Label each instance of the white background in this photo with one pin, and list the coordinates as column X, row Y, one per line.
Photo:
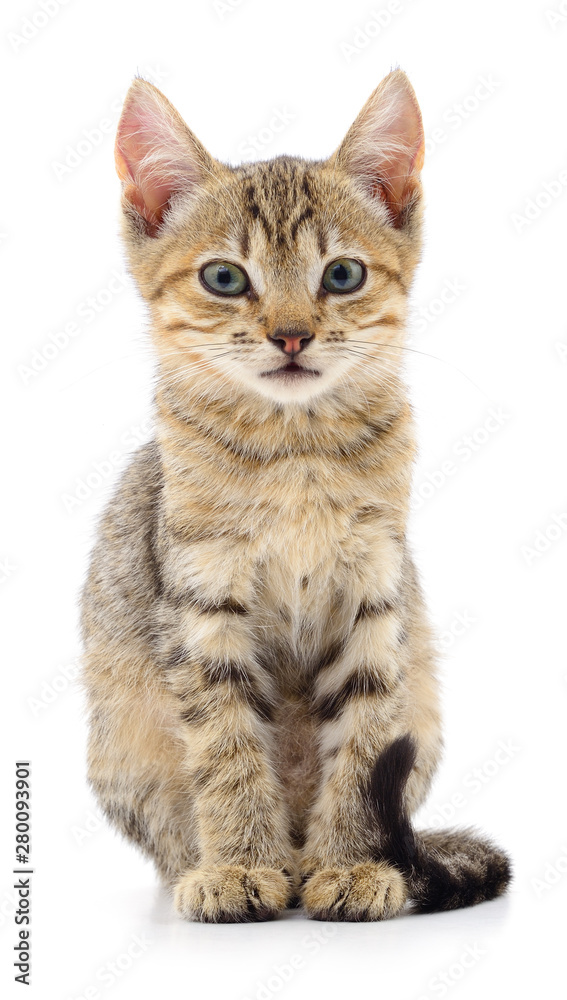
column 483, row 529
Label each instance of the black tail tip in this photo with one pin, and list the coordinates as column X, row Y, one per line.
column 458, row 868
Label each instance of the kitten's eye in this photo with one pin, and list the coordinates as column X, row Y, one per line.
column 224, row 278
column 343, row 275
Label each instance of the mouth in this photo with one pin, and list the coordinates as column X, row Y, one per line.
column 291, row 371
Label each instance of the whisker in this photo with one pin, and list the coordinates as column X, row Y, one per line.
column 394, row 347
column 413, row 350
column 180, row 371
column 387, row 388
column 190, row 347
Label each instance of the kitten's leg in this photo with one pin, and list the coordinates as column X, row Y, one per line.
column 364, row 701
column 225, row 707
column 197, row 797
column 135, row 763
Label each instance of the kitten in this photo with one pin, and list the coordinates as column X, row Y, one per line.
column 260, row 673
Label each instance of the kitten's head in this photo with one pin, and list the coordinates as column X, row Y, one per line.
column 288, row 277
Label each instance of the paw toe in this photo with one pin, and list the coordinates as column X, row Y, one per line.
column 231, row 893
column 368, row 891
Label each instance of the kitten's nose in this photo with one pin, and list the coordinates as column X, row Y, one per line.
column 290, row 341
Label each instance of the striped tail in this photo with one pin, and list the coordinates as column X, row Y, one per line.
column 445, row 869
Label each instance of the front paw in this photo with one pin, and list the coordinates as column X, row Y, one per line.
column 368, row 891
column 231, row 893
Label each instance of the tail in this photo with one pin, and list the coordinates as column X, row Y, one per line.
column 445, row 869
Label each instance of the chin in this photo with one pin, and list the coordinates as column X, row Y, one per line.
column 287, row 388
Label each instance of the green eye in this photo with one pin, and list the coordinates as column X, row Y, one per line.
column 343, row 275
column 224, row 278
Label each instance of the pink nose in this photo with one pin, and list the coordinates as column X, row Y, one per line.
column 290, row 343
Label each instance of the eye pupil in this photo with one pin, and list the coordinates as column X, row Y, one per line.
column 340, row 273
column 223, row 275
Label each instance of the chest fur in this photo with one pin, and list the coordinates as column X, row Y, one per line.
column 301, row 571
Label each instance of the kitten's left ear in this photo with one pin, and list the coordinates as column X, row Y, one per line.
column 384, row 147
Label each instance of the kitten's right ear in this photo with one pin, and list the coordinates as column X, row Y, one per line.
column 156, row 155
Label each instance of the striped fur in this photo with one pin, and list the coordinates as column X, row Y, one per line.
column 254, row 628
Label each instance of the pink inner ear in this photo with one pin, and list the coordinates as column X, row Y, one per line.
column 151, row 156
column 400, row 167
column 400, row 149
column 385, row 145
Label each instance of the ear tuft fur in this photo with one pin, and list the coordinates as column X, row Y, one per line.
column 384, row 147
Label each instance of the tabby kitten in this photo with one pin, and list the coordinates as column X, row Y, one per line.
column 260, row 673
